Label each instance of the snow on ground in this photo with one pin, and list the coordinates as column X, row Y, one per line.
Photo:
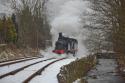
column 50, row 74
column 12, row 67
column 77, row 81
column 22, row 75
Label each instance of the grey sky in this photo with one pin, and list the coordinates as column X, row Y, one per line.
column 4, row 7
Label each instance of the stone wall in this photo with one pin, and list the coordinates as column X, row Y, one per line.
column 75, row 70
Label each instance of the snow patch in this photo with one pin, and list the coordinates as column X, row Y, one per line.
column 77, row 81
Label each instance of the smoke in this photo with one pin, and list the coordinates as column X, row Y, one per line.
column 66, row 16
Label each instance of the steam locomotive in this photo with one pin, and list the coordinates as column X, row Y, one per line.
column 66, row 45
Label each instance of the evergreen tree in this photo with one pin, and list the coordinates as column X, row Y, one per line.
column 11, row 31
column 8, row 32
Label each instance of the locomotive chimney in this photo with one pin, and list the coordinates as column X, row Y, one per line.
column 60, row 35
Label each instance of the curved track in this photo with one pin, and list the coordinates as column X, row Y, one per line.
column 27, row 72
column 41, row 70
column 20, row 69
column 16, row 61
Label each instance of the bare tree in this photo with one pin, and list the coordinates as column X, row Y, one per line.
column 110, row 15
column 33, row 26
column 99, row 27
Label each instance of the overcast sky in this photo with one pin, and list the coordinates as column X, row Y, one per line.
column 4, row 7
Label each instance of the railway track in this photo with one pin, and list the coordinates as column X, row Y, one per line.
column 16, row 61
column 40, row 71
column 35, row 69
column 22, row 68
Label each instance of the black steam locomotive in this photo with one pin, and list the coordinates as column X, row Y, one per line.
column 66, row 45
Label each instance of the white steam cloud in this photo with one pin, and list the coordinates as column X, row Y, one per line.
column 66, row 16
